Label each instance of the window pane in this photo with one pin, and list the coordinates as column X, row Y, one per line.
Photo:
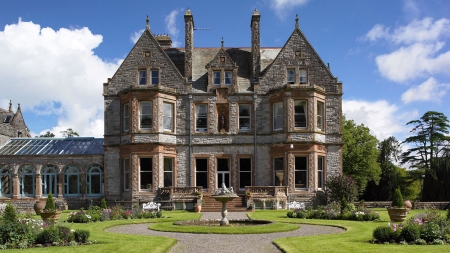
column 223, row 164
column 72, row 184
column 303, row 76
column 201, row 118
column 300, row 113
column 278, row 116
column 291, row 76
column 301, row 169
column 278, row 171
column 228, row 77
column 5, row 184
column 320, row 115
column 216, row 77
column 126, row 172
column 155, row 77
column 126, row 117
column 244, row 117
column 146, row 173
column 142, row 77
column 245, row 172
column 320, row 172
column 168, row 172
column 146, row 111
column 167, row 116
column 201, row 174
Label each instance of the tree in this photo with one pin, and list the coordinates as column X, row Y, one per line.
column 342, row 189
column 69, row 133
column 359, row 153
column 430, row 152
column 47, row 134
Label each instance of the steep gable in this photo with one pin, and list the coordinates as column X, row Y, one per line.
column 146, row 54
column 298, row 53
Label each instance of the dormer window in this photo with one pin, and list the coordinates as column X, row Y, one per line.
column 228, row 78
column 291, row 76
column 303, row 76
column 216, row 77
column 142, row 77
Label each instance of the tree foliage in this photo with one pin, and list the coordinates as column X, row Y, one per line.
column 69, row 133
column 359, row 153
column 47, row 134
column 430, row 146
column 342, row 189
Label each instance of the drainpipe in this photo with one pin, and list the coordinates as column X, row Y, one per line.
column 254, row 134
column 190, row 140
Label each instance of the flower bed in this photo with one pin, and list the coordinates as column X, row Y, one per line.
column 429, row 227
column 334, row 211
column 95, row 213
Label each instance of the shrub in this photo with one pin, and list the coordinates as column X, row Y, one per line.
column 437, row 242
column 9, row 214
column 50, row 234
column 301, row 214
column 420, row 242
column 15, row 232
column 159, row 214
column 148, row 215
column 105, row 215
column 65, row 234
column 126, row 215
column 50, row 203
column 103, row 204
column 430, row 232
column 397, row 199
column 116, row 212
column 78, row 217
column 342, row 189
column 291, row 214
column 383, row 234
column 81, row 235
column 95, row 212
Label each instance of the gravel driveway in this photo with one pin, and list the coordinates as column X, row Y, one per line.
column 219, row 243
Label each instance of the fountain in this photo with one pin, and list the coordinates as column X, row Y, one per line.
column 224, row 195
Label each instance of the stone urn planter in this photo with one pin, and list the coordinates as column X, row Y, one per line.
column 39, row 205
column 397, row 214
column 198, row 208
column 53, row 215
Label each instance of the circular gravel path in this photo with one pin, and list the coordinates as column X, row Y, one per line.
column 220, row 243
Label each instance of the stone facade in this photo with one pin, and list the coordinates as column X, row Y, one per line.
column 194, row 117
column 12, row 125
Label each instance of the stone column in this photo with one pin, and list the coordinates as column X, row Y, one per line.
column 188, row 44
column 38, row 185
column 15, row 188
column 60, row 185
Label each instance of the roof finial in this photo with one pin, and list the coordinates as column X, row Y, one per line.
column 10, row 106
column 18, row 107
column 147, row 26
column 296, row 21
column 222, row 42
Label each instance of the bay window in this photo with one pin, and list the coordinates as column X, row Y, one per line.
column 145, row 115
column 168, row 116
column 300, row 112
column 126, row 117
column 301, row 172
column 320, row 115
column 277, row 116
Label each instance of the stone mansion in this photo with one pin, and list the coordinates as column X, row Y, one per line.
column 184, row 120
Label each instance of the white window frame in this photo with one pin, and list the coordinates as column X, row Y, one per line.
column 303, row 74
column 299, row 114
column 290, row 76
column 202, row 117
column 216, row 74
column 168, row 116
column 277, row 112
column 241, row 127
column 302, row 170
column 155, row 79
column 320, row 111
column 228, row 78
column 320, row 172
column 142, row 77
column 143, row 104
column 126, row 174
column 126, row 117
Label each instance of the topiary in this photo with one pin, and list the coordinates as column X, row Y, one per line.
column 103, row 203
column 50, row 203
column 397, row 199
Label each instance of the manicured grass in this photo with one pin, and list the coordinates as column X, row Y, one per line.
column 355, row 239
column 115, row 242
column 261, row 229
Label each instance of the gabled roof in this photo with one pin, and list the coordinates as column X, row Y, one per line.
column 53, row 146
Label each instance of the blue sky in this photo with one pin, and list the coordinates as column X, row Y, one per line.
column 393, row 57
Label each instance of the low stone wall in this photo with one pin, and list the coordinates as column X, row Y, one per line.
column 416, row 204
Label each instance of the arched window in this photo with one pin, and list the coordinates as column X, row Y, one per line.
column 27, row 181
column 5, row 181
column 94, row 181
column 49, row 175
column 71, row 181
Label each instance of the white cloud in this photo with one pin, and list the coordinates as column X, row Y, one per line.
column 417, row 60
column 418, row 49
column 136, row 35
column 282, row 6
column 411, row 9
column 380, row 117
column 171, row 26
column 55, row 73
column 430, row 90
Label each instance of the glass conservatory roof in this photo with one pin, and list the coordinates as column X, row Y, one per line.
column 53, row 146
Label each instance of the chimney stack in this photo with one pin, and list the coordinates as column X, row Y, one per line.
column 256, row 54
column 188, row 44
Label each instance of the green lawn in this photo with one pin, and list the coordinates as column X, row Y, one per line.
column 354, row 239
